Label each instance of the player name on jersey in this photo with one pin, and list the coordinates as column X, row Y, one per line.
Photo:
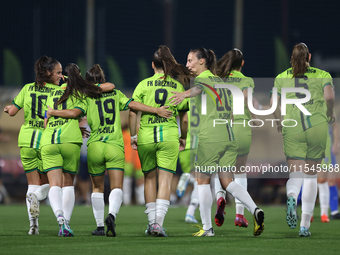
column 106, row 130
column 157, row 119
column 57, row 122
column 34, row 123
column 162, row 83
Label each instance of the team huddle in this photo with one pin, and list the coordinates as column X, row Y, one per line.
column 175, row 124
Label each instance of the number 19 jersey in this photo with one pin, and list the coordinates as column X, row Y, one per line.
column 155, row 91
column 103, row 117
column 314, row 80
column 33, row 99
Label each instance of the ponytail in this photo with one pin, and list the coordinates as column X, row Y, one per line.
column 209, row 56
column 300, row 59
column 232, row 60
column 41, row 68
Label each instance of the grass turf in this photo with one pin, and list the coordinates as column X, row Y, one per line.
column 131, row 222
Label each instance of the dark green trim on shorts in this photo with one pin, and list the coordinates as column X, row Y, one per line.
column 148, row 171
column 114, row 168
column 40, row 172
column 53, row 168
column 69, row 172
column 242, row 155
column 101, row 174
column 168, row 170
column 287, row 157
column 183, row 110
column 315, row 159
column 31, row 170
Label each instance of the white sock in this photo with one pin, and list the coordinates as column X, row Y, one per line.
column 115, row 201
column 192, row 180
column 242, row 194
column 219, row 191
column 56, row 199
column 205, row 201
column 127, row 190
column 193, row 201
column 30, row 189
column 294, row 183
column 309, row 192
column 98, row 205
column 162, row 207
column 42, row 191
column 139, row 194
column 151, row 212
column 324, row 197
column 240, row 179
column 68, row 201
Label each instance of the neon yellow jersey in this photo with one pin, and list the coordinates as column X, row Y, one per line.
column 59, row 130
column 33, row 99
column 314, row 80
column 103, row 117
column 155, row 91
column 214, row 110
column 237, row 79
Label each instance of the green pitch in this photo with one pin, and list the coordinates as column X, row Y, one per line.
column 131, row 222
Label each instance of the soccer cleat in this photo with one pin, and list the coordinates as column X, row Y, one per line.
column 241, row 221
column 324, row 218
column 190, row 219
column 219, row 215
column 182, row 184
column 291, row 212
column 258, row 218
column 203, row 232
column 148, row 230
column 34, row 230
column 304, row 232
column 157, row 230
column 110, row 223
column 98, row 232
column 64, row 228
column 34, row 205
column 335, row 216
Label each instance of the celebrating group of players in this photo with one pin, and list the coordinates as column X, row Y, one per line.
column 50, row 138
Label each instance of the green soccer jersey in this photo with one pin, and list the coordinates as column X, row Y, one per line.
column 214, row 126
column 33, row 99
column 59, row 130
column 155, row 91
column 314, row 80
column 237, row 79
column 193, row 123
column 103, row 117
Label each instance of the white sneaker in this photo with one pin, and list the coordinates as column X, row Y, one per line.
column 182, row 184
column 190, row 219
column 34, row 230
column 34, row 205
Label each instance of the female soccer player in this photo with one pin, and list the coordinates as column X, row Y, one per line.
column 217, row 146
column 229, row 67
column 32, row 98
column 105, row 146
column 158, row 142
column 304, row 136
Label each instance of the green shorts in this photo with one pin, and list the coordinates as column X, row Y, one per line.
column 163, row 155
column 327, row 159
column 103, row 156
column 243, row 137
column 65, row 156
column 184, row 160
column 31, row 159
column 217, row 156
column 307, row 145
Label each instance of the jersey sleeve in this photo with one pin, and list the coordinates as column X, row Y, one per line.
column 81, row 105
column 123, row 101
column 19, row 100
column 327, row 80
column 248, row 83
column 138, row 94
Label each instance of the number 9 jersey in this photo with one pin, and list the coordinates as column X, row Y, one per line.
column 33, row 99
column 155, row 91
column 314, row 80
